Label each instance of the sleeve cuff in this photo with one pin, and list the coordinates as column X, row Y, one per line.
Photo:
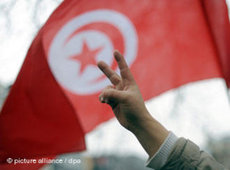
column 160, row 157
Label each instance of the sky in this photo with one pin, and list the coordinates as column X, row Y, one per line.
column 203, row 107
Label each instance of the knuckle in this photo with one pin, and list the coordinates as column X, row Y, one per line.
column 114, row 79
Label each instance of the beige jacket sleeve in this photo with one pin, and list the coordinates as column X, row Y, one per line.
column 187, row 156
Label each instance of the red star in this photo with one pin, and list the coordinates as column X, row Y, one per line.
column 86, row 57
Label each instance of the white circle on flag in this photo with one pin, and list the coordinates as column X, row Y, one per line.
column 69, row 52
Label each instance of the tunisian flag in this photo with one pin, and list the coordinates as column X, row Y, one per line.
column 54, row 101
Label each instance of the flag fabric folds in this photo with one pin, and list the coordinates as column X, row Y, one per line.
column 216, row 14
column 54, row 100
column 36, row 118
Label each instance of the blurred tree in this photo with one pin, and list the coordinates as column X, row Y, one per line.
column 37, row 8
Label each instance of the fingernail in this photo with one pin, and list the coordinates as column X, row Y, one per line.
column 101, row 99
column 116, row 55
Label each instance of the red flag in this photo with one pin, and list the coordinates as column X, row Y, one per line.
column 37, row 119
column 54, row 100
column 216, row 14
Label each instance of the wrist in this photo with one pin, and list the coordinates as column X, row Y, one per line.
column 143, row 123
column 150, row 126
column 139, row 123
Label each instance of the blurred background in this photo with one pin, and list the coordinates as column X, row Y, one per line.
column 201, row 108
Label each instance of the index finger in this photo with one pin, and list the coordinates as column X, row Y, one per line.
column 112, row 75
column 125, row 72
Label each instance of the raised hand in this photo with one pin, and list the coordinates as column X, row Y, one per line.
column 124, row 95
column 128, row 106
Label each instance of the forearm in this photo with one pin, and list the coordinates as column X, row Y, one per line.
column 150, row 133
